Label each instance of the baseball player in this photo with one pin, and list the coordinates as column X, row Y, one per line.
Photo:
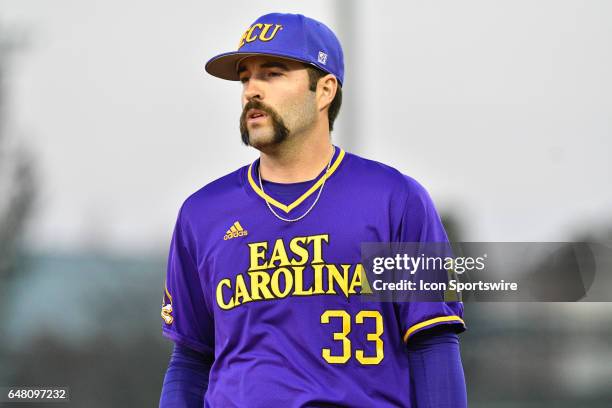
column 264, row 278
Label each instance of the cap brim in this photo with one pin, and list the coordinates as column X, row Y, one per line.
column 225, row 66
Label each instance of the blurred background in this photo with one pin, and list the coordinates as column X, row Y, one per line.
column 503, row 110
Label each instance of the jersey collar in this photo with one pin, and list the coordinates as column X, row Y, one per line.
column 299, row 200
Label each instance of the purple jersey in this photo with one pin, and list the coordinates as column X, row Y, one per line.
column 277, row 303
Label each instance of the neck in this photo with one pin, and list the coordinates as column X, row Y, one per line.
column 298, row 160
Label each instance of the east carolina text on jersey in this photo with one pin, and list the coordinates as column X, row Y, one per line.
column 294, row 269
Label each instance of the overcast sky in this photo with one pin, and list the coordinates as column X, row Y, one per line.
column 502, row 110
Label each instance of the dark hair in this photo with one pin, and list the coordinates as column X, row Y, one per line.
column 314, row 74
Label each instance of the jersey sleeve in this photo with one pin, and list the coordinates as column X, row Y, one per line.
column 421, row 223
column 186, row 319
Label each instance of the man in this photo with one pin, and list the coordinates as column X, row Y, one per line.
column 263, row 286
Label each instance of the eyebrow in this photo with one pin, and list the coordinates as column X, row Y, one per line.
column 270, row 64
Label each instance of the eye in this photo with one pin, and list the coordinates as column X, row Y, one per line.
column 274, row 74
column 244, row 79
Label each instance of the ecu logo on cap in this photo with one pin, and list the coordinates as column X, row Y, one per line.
column 259, row 32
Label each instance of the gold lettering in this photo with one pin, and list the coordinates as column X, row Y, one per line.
column 241, row 291
column 298, row 250
column 281, row 270
column 259, row 283
column 275, row 284
column 220, row 301
column 258, row 251
column 249, row 37
column 317, row 247
column 357, row 281
column 299, row 282
column 318, row 279
column 363, row 279
column 278, row 254
column 334, row 276
column 263, row 37
column 241, row 42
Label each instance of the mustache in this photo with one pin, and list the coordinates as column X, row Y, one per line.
column 256, row 104
column 280, row 129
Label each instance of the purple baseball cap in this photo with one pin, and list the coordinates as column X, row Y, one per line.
column 291, row 36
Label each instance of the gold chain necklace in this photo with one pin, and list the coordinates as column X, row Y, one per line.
column 313, row 203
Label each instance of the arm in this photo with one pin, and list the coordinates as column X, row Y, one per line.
column 186, row 379
column 186, row 320
column 437, row 379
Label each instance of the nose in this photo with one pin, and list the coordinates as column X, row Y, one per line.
column 252, row 89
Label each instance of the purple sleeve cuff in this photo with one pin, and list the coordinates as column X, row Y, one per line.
column 457, row 324
column 188, row 342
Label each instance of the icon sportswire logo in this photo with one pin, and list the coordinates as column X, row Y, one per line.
column 235, row 231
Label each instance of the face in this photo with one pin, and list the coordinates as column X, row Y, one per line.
column 277, row 104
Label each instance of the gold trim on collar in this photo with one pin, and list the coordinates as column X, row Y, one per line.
column 299, row 200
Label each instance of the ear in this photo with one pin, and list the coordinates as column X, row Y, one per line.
column 326, row 91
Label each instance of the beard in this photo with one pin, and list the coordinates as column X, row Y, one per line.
column 281, row 132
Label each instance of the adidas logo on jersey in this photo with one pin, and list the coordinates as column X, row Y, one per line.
column 235, row 231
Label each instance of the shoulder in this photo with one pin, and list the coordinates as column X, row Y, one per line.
column 376, row 175
column 214, row 195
